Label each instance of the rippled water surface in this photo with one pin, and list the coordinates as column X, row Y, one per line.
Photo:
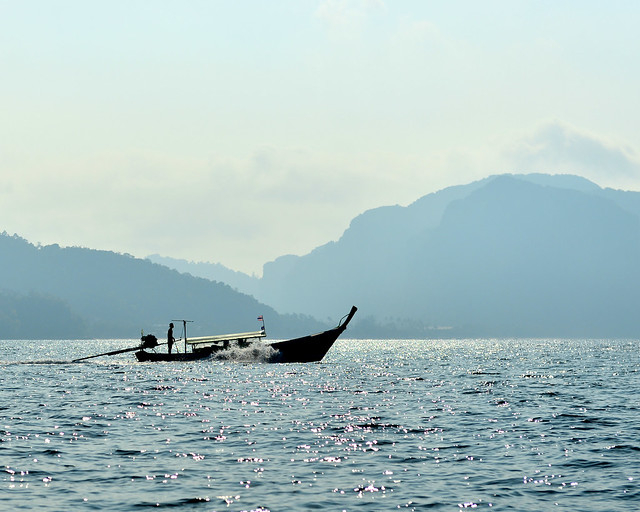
column 378, row 425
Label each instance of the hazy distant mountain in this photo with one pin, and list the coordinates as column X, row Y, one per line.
column 531, row 255
column 212, row 271
column 49, row 291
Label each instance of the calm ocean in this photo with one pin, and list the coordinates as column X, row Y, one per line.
column 522, row 425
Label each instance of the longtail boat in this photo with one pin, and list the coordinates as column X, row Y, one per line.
column 306, row 349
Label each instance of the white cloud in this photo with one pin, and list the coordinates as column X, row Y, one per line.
column 347, row 14
column 417, row 32
column 556, row 147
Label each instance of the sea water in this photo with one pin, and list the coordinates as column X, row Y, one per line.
column 483, row 424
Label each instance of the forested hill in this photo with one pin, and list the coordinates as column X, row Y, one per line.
column 55, row 292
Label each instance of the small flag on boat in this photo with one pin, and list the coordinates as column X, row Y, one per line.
column 260, row 318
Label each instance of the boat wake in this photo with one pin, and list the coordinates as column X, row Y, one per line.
column 34, row 362
column 255, row 353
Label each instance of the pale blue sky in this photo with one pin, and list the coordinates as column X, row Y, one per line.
column 236, row 132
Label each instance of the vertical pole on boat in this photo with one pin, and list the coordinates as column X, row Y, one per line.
column 184, row 325
column 184, row 328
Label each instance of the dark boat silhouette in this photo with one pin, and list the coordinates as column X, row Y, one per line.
column 306, row 349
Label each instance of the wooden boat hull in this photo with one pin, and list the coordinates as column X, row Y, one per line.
column 307, row 349
column 157, row 357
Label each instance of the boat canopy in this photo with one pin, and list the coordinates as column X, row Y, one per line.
column 226, row 337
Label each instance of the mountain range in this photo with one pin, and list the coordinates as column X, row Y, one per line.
column 510, row 255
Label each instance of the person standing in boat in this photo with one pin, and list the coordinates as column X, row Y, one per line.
column 170, row 339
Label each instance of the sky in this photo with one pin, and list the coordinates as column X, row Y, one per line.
column 240, row 131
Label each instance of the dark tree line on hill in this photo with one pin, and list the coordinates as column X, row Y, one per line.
column 54, row 292
column 35, row 316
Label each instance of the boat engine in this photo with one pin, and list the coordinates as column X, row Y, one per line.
column 149, row 341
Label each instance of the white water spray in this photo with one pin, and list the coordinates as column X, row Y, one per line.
column 254, row 353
